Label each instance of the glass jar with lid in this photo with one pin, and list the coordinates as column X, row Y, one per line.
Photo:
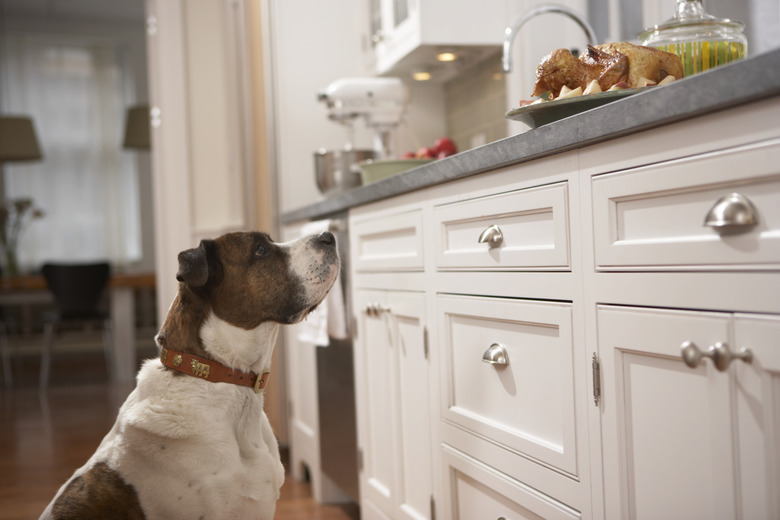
column 701, row 40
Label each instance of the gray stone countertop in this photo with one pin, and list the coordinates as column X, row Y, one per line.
column 738, row 83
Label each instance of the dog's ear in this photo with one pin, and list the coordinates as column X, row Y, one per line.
column 196, row 264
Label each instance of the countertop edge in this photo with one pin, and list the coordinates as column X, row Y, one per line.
column 730, row 85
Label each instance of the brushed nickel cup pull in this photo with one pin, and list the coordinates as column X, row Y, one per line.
column 731, row 212
column 722, row 356
column 496, row 355
column 492, row 236
column 692, row 355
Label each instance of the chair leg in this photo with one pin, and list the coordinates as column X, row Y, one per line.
column 48, row 338
column 108, row 347
column 5, row 353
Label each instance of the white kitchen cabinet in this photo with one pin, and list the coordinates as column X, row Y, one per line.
column 393, row 372
column 655, row 215
column 404, row 33
column 713, row 427
column 523, row 401
column 603, row 274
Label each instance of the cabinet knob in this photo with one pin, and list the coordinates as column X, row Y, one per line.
column 722, row 356
column 719, row 353
column 496, row 355
column 377, row 36
column 492, row 236
column 375, row 309
column 734, row 211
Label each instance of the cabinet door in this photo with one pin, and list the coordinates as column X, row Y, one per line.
column 376, row 399
column 394, row 405
column 757, row 404
column 667, row 430
column 413, row 427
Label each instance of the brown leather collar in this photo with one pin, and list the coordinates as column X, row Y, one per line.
column 210, row 370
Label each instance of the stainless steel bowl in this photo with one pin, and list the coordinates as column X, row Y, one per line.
column 338, row 170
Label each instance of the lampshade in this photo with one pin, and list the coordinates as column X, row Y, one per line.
column 137, row 128
column 18, row 141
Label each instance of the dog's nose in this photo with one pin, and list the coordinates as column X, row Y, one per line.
column 327, row 238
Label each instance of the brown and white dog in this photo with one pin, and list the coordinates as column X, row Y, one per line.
column 185, row 446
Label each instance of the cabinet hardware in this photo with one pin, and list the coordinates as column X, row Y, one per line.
column 719, row 353
column 496, row 355
column 596, row 368
column 375, row 309
column 433, row 508
column 692, row 355
column 731, row 212
column 425, row 341
column 151, row 25
column 722, row 356
column 492, row 236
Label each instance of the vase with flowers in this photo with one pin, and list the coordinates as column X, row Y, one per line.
column 15, row 214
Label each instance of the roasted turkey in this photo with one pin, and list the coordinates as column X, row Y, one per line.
column 609, row 64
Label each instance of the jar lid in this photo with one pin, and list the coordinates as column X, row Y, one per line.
column 690, row 19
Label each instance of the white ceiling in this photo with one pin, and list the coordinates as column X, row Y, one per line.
column 117, row 10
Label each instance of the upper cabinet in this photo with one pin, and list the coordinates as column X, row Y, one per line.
column 404, row 36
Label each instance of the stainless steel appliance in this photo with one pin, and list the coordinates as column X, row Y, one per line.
column 338, row 170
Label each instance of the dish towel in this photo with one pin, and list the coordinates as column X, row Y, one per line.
column 328, row 320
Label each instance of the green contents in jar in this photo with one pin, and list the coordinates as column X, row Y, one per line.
column 700, row 40
column 700, row 56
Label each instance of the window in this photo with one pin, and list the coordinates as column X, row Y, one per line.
column 86, row 185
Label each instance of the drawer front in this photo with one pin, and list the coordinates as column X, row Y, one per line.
column 655, row 216
column 525, row 404
column 533, row 224
column 389, row 243
column 475, row 490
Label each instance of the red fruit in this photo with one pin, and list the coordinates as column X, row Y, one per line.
column 442, row 154
column 425, row 153
column 444, row 145
column 408, row 155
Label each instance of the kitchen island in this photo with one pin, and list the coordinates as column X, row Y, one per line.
column 580, row 321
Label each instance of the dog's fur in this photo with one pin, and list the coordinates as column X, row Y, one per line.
column 187, row 448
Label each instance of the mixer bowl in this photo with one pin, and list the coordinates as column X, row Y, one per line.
column 338, row 170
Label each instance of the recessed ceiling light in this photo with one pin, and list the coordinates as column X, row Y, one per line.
column 446, row 56
column 421, row 75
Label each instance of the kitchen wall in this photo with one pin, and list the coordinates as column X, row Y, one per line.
column 311, row 45
column 475, row 105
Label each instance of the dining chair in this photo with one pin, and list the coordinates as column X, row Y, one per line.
column 77, row 291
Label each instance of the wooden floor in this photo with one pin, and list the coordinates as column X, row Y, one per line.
column 45, row 437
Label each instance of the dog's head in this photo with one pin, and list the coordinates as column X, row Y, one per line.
column 246, row 279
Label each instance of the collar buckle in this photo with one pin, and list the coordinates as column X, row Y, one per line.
column 261, row 381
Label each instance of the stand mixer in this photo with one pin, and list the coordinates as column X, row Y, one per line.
column 380, row 101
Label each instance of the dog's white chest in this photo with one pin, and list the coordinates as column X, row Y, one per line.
column 194, row 450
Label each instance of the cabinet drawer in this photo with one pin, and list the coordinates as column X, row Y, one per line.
column 533, row 223
column 655, row 216
column 389, row 243
column 478, row 491
column 526, row 404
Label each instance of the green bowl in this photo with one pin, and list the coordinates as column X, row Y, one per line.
column 376, row 170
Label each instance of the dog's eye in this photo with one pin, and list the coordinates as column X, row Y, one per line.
column 261, row 251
